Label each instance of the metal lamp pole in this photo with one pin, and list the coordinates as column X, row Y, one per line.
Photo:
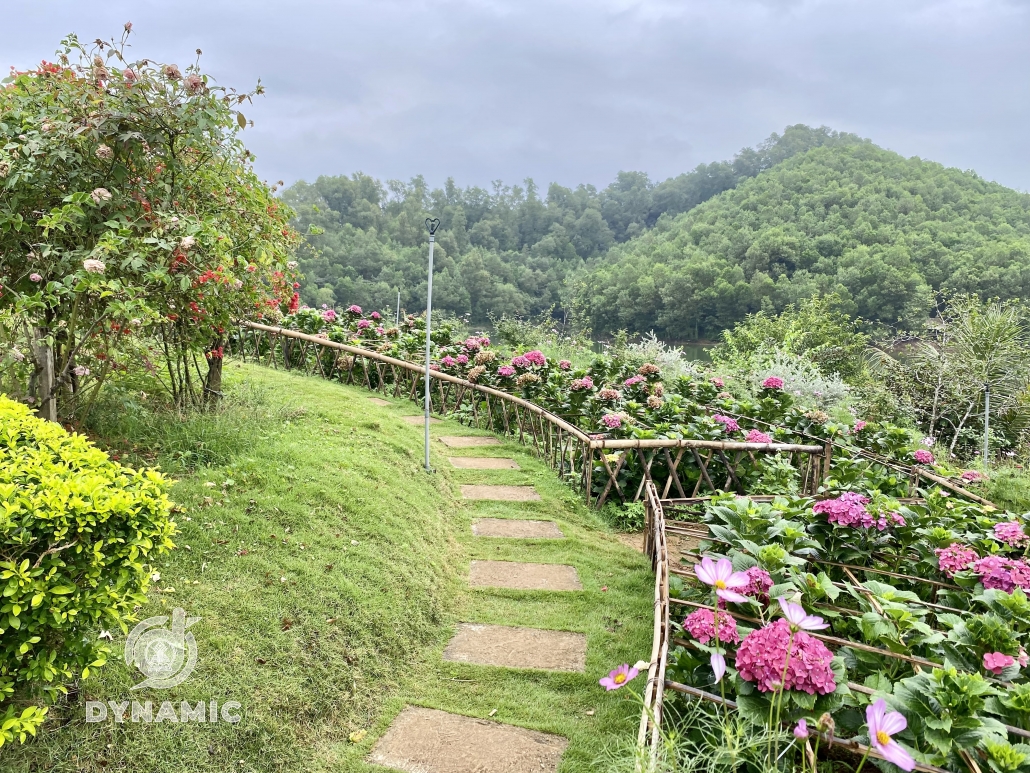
column 431, row 225
column 987, row 421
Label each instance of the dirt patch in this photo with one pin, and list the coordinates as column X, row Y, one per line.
column 500, row 645
column 501, row 493
column 516, row 528
column 469, row 441
column 518, row 576
column 419, row 420
column 632, row 541
column 379, row 401
column 482, row 463
column 429, row 741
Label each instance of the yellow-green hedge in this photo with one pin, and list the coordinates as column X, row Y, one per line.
column 76, row 534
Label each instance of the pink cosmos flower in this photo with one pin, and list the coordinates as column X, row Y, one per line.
column 364, row 324
column 463, row 359
column 701, row 625
column 730, row 425
column 762, row 659
column 506, row 371
column 801, row 731
column 564, row 364
column 955, row 558
column 754, row 436
column 720, row 575
column 922, row 456
column 799, row 619
column 859, row 426
column 882, row 725
column 618, row 677
column 996, row 662
column 35, row 278
column 581, row 384
column 354, row 309
column 1011, row 533
column 718, row 382
column 611, row 420
column 773, row 382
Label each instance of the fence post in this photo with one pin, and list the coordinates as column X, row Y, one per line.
column 827, row 459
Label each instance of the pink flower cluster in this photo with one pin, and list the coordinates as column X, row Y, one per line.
column 762, row 657
column 859, row 426
column 996, row 662
column 754, row 436
column 922, row 456
column 364, row 324
column 609, row 394
column 564, row 364
column 729, row 424
column 1002, row 573
column 520, row 362
column 972, row 476
column 448, row 362
column 955, row 558
column 580, row 384
column 329, row 315
column 376, row 316
column 354, row 310
column 718, row 382
column 1011, row 533
column 701, row 625
column 759, row 583
column 475, row 343
column 506, row 370
column 773, row 382
column 463, row 359
column 633, row 381
column 536, row 357
column 611, row 420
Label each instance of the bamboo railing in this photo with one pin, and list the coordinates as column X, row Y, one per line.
column 604, row 469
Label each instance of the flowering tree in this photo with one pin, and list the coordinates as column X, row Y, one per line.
column 132, row 227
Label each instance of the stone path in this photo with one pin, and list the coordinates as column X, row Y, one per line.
column 424, row 740
column 419, row 420
column 379, row 401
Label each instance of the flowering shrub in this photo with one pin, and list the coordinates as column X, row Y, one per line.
column 922, row 456
column 773, row 382
column 762, row 658
column 701, row 625
column 1011, row 533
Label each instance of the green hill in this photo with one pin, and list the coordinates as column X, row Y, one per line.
column 881, row 230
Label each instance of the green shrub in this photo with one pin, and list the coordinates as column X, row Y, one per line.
column 628, row 517
column 76, row 533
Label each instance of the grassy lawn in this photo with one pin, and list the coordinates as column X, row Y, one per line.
column 328, row 571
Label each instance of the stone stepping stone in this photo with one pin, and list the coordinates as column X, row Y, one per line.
column 500, row 493
column 379, row 401
column 500, row 645
column 419, row 420
column 482, row 463
column 516, row 528
column 468, row 441
column 518, row 576
column 430, row 741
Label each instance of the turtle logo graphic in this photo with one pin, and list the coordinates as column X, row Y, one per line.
column 167, row 656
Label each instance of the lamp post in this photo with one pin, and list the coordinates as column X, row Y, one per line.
column 431, row 225
column 987, row 422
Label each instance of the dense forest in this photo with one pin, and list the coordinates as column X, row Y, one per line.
column 808, row 213
column 510, row 250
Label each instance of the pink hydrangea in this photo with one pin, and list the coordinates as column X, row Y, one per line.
column 759, row 583
column 471, row 344
column 773, row 382
column 484, row 341
column 506, row 370
column 922, row 456
column 536, row 357
column 354, row 310
column 1011, row 533
column 996, row 662
column 520, row 362
column 729, row 424
column 376, row 315
column 611, row 420
column 364, row 324
column 701, row 625
column 329, row 315
column 582, row 383
column 448, row 362
column 608, row 394
column 718, row 382
column 633, row 380
column 762, row 657
column 1004, row 574
column 955, row 558
column 564, row 364
column 972, row 476
column 859, row 426
column 463, row 359
column 754, row 436
column 849, row 509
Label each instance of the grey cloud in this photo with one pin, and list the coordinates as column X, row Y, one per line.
column 575, row 90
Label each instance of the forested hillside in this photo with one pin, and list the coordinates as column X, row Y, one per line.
column 880, row 230
column 510, row 250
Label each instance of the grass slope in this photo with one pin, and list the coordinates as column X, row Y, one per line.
column 329, row 571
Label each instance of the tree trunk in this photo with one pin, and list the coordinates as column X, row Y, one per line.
column 213, row 380
column 46, row 386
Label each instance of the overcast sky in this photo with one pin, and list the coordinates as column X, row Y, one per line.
column 575, row 90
